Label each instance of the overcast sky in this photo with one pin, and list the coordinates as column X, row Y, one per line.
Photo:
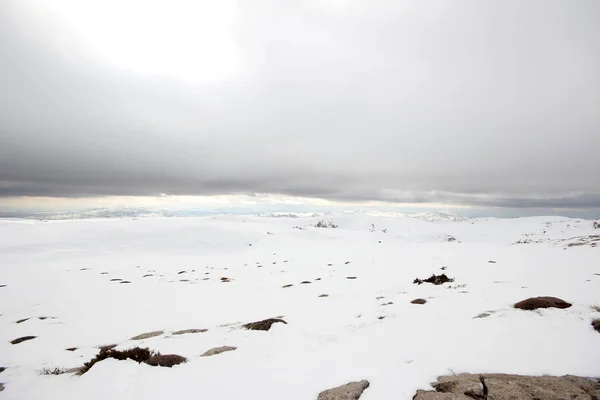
column 482, row 103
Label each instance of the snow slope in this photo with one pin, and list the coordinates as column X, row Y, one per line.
column 63, row 270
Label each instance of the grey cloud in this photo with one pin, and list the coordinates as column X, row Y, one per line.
column 486, row 104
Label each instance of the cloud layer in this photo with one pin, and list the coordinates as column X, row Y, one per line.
column 494, row 104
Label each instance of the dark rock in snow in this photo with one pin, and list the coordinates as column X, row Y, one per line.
column 435, row 279
column 165, row 360
column 71, row 349
column 304, row 282
column 323, row 295
column 263, row 325
column 482, row 315
column 349, row 391
column 136, row 354
column 22, row 339
column 23, row 320
column 288, row 285
column 419, row 301
column 534, row 303
column 596, row 325
column 350, row 277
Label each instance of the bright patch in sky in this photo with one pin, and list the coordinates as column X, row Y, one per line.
column 189, row 40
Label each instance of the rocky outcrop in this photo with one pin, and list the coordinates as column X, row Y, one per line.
column 435, row 279
column 263, row 325
column 185, row 331
column 596, row 325
column 511, row 387
column 218, row 350
column 349, row 391
column 147, row 335
column 165, row 360
column 533, row 303
column 22, row 339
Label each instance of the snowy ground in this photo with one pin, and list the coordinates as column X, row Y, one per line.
column 63, row 270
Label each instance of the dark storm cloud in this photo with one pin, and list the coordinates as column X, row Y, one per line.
column 480, row 103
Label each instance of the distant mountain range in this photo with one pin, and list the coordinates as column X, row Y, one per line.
column 144, row 212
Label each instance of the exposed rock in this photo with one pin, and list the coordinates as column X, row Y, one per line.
column 287, row 286
column 304, row 282
column 165, row 360
column 1, row 387
column 147, row 335
column 218, row 350
column 225, row 279
column 349, row 391
column 124, row 282
column 147, row 275
column 435, row 279
column 533, row 303
column 2, row 369
column 511, row 387
column 350, row 277
column 323, row 295
column 116, row 279
column 184, row 331
column 71, row 349
column 23, row 320
column 596, row 325
column 482, row 315
column 388, row 303
column 136, row 354
column 492, row 262
column 182, row 272
column 419, row 301
column 263, row 325
column 22, row 339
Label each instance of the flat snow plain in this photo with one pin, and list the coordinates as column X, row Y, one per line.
column 366, row 328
